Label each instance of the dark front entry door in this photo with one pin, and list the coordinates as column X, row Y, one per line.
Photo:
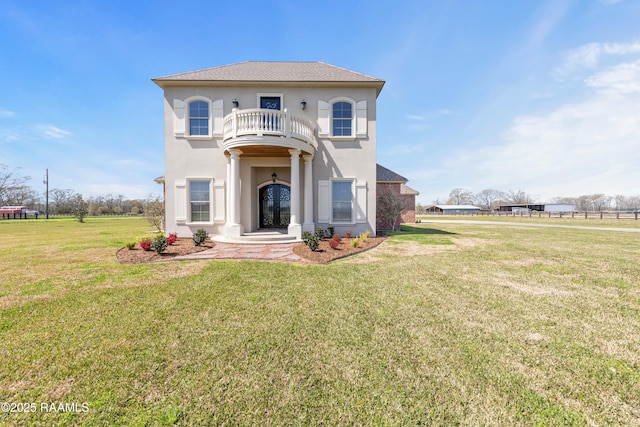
column 275, row 206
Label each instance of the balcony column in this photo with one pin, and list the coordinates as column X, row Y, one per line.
column 233, row 228
column 308, row 194
column 294, row 226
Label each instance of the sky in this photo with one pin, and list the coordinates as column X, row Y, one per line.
column 540, row 96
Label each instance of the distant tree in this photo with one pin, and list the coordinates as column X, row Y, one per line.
column 81, row 209
column 583, row 203
column 460, row 196
column 13, row 187
column 518, row 197
column 420, row 209
column 63, row 202
column 488, row 198
column 154, row 211
column 600, row 202
column 138, row 205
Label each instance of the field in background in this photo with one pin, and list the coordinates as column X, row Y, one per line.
column 442, row 324
column 593, row 220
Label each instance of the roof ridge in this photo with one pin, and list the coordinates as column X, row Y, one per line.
column 200, row 70
column 350, row 71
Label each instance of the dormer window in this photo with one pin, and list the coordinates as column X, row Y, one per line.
column 198, row 118
column 342, row 119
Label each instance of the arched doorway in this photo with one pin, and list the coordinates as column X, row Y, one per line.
column 275, row 206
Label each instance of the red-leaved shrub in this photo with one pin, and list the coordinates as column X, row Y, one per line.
column 146, row 244
column 334, row 243
column 171, row 238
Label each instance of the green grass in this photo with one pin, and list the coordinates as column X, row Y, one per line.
column 609, row 220
column 454, row 324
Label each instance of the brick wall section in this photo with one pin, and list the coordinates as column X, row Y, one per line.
column 410, row 203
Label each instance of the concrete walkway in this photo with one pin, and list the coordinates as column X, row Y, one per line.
column 271, row 252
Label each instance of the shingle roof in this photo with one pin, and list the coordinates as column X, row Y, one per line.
column 406, row 190
column 385, row 175
column 265, row 71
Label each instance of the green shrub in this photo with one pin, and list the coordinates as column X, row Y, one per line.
column 199, row 236
column 131, row 245
column 319, row 233
column 355, row 242
column 159, row 244
column 312, row 240
column 331, row 231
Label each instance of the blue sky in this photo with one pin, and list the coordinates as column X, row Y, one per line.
column 532, row 95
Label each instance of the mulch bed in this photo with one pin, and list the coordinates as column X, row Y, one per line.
column 326, row 253
column 182, row 246
column 185, row 246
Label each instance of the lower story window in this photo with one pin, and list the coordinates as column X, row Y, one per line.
column 342, row 201
column 200, row 201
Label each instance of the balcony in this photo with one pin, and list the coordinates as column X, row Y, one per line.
column 261, row 128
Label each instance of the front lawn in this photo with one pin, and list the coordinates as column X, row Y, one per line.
column 443, row 324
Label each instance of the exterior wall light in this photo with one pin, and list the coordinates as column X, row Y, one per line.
column 274, row 176
column 303, row 104
column 235, row 103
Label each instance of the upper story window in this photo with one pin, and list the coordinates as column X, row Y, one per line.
column 198, row 118
column 342, row 119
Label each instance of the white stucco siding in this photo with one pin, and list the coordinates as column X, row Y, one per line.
column 203, row 158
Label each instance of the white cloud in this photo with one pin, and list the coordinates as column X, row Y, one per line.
column 577, row 148
column 7, row 114
column 590, row 55
column 623, row 78
column 53, row 132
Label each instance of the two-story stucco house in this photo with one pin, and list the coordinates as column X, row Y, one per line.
column 260, row 146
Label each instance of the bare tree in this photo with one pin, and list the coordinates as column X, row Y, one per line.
column 13, row 187
column 600, row 202
column 391, row 205
column 488, row 198
column 154, row 211
column 64, row 201
column 518, row 197
column 460, row 196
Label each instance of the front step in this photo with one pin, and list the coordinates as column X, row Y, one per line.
column 259, row 237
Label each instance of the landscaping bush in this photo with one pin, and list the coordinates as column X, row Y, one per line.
column 159, row 244
column 347, row 234
column 171, row 239
column 131, row 245
column 199, row 236
column 355, row 242
column 146, row 244
column 336, row 237
column 331, row 231
column 319, row 233
column 312, row 240
column 334, row 243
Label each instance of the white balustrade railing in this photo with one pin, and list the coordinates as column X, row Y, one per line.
column 261, row 122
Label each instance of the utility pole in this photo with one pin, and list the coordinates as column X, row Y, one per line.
column 46, row 181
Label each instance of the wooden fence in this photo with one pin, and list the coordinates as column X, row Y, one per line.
column 532, row 214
